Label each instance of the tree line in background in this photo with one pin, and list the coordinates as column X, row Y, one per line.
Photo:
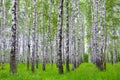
column 59, row 32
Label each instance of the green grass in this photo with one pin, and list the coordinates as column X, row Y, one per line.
column 86, row 71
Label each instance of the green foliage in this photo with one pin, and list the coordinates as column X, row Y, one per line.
column 85, row 57
column 115, row 37
column 86, row 71
column 118, row 56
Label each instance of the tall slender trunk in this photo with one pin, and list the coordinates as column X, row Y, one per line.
column 60, row 25
column 43, row 42
column 97, row 54
column 73, row 51
column 28, row 43
column 101, row 33
column 67, row 35
column 43, row 52
column 56, row 50
column 37, row 56
column 3, row 53
column 114, row 54
column 63, row 47
column 46, row 47
column 81, row 32
column 105, row 32
column 92, row 32
column 33, row 37
column 28, row 51
column 49, row 32
column 3, row 34
column 13, row 65
column 37, row 36
column 81, row 44
column 23, row 48
column 102, row 45
column 1, row 29
column 23, row 38
column 17, row 35
column 95, row 49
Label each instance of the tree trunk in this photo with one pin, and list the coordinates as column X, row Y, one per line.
column 49, row 33
column 33, row 37
column 3, row 34
column 37, row 56
column 13, row 65
column 95, row 48
column 60, row 25
column 102, row 45
column 105, row 30
column 28, row 52
column 67, row 36
column 43, row 42
column 23, row 48
column 1, row 30
column 114, row 56
column 102, row 37
column 82, row 43
column 73, row 43
column 46, row 47
column 17, row 35
column 37, row 36
column 74, row 54
column 43, row 53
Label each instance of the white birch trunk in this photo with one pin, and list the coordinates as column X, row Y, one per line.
column 60, row 26
column 13, row 65
column 33, row 37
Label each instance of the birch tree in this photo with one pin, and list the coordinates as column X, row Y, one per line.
column 60, row 25
column 36, row 42
column 33, row 37
column 50, row 33
column 28, row 51
column 3, row 34
column 72, row 31
column 0, row 28
column 95, row 49
column 43, row 40
column 102, row 30
column 67, row 35
column 13, row 65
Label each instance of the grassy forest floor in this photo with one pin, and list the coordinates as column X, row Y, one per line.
column 86, row 71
